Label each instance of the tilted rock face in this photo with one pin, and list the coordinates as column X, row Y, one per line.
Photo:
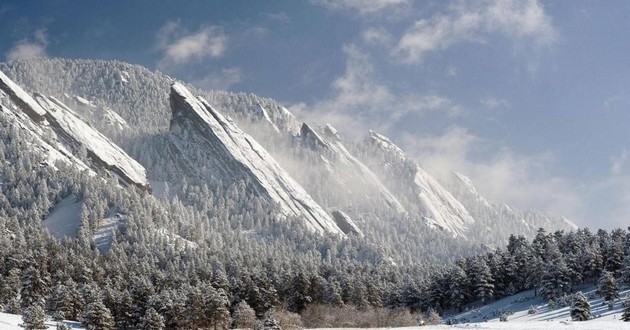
column 416, row 187
column 207, row 140
column 100, row 149
column 22, row 99
column 58, row 131
column 348, row 174
column 346, row 224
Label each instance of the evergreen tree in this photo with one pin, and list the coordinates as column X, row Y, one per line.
column 34, row 317
column 458, row 290
column 269, row 322
column 625, row 271
column 607, row 287
column 218, row 309
column 580, row 308
column 152, row 320
column 98, row 317
column 300, row 292
column 626, row 310
column 244, row 316
column 34, row 287
column 482, row 280
column 555, row 281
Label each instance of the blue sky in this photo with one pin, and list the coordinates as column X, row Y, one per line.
column 529, row 98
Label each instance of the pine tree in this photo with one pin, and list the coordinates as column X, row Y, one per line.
column 218, row 309
column 458, row 290
column 625, row 271
column 555, row 281
column 34, row 287
column 580, row 308
column 98, row 317
column 269, row 322
column 244, row 316
column 607, row 287
column 482, row 280
column 152, row 320
column 34, row 317
column 626, row 310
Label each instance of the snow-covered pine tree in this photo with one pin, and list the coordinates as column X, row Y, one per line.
column 555, row 280
column 98, row 317
column 34, row 287
column 625, row 271
column 607, row 287
column 580, row 308
column 626, row 310
column 482, row 280
column 458, row 292
column 34, row 317
column 244, row 316
column 152, row 320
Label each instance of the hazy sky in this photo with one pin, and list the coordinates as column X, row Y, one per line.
column 528, row 98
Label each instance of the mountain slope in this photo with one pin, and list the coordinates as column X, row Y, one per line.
column 208, row 140
column 59, row 131
column 358, row 185
column 414, row 185
column 500, row 219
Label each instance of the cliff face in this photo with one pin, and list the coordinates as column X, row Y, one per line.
column 416, row 187
column 60, row 133
column 100, row 149
column 216, row 147
column 346, row 173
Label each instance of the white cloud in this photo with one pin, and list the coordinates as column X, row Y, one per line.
column 279, row 16
column 500, row 174
column 221, row 80
column 359, row 102
column 470, row 21
column 363, row 7
column 179, row 46
column 27, row 48
column 377, row 36
column 493, row 103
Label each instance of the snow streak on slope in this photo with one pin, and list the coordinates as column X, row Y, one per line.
column 353, row 177
column 78, row 133
column 21, row 98
column 52, row 151
column 209, row 140
column 408, row 179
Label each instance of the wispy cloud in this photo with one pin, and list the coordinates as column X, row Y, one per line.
column 29, row 48
column 493, row 103
column 377, row 36
column 279, row 16
column 471, row 21
column 363, row 7
column 180, row 46
column 222, row 80
column 502, row 175
column 360, row 102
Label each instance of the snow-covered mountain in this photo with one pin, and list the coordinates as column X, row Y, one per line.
column 417, row 188
column 359, row 186
column 214, row 146
column 61, row 134
column 305, row 170
column 490, row 215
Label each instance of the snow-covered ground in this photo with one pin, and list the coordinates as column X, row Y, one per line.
column 517, row 307
column 12, row 322
column 64, row 219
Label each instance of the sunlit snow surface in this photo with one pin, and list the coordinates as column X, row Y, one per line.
column 12, row 322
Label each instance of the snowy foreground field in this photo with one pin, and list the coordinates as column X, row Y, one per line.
column 486, row 317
